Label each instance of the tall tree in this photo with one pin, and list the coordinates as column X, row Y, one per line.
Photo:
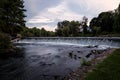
column 74, row 28
column 117, row 20
column 103, row 23
column 84, row 24
column 106, row 21
column 12, row 16
column 68, row 28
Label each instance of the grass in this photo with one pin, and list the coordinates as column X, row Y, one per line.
column 109, row 69
column 86, row 63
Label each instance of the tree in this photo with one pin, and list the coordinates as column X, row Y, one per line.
column 44, row 32
column 94, row 22
column 117, row 20
column 68, row 28
column 60, row 28
column 84, row 24
column 4, row 42
column 65, row 32
column 12, row 16
column 74, row 28
column 106, row 21
column 58, row 32
column 103, row 23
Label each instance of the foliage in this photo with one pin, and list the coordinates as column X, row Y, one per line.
column 108, row 69
column 85, row 63
column 117, row 20
column 12, row 16
column 106, row 22
column 35, row 32
column 11, row 22
column 4, row 41
column 68, row 28
column 84, row 25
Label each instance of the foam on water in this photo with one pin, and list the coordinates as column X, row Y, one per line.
column 101, row 43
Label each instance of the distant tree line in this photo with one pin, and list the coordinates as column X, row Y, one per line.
column 107, row 23
column 64, row 29
column 72, row 28
column 35, row 32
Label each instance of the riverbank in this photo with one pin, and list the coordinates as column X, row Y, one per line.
column 11, row 52
column 88, row 67
column 7, row 48
column 109, row 69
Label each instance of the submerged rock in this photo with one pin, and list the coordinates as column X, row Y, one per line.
column 88, row 55
column 95, row 46
column 71, row 55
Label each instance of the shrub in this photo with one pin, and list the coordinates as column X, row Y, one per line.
column 86, row 63
column 4, row 41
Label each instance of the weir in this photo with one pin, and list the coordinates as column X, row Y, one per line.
column 112, row 42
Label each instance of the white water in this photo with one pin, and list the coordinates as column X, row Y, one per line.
column 101, row 43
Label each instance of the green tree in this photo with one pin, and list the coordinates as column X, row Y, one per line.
column 12, row 16
column 74, row 28
column 106, row 21
column 68, row 28
column 65, row 32
column 4, row 42
column 44, row 32
column 103, row 23
column 60, row 27
column 117, row 20
column 58, row 32
column 84, row 25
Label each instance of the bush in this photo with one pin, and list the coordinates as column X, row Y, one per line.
column 86, row 63
column 4, row 41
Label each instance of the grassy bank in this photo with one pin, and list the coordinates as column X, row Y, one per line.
column 109, row 69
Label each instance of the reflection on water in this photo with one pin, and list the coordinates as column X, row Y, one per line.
column 42, row 63
column 45, row 60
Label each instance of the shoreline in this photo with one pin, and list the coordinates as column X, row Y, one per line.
column 82, row 71
column 11, row 52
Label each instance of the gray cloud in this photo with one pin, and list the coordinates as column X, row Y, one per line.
column 36, row 6
column 46, row 13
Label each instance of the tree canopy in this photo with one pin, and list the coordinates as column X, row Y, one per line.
column 107, row 22
column 12, row 16
column 68, row 28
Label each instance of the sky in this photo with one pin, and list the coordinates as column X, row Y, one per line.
column 47, row 13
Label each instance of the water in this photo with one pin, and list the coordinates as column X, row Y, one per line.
column 50, row 58
column 112, row 42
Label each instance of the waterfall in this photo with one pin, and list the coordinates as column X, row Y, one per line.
column 112, row 42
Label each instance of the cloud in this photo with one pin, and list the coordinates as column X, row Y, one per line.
column 48, row 13
column 40, row 20
column 48, row 27
column 54, row 14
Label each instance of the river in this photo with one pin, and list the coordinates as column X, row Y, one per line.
column 52, row 58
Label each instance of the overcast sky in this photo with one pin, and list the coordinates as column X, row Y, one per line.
column 46, row 13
